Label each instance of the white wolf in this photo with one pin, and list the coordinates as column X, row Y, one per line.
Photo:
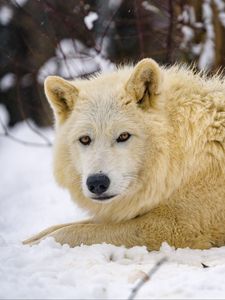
column 143, row 150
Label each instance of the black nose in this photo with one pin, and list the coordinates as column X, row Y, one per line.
column 98, row 183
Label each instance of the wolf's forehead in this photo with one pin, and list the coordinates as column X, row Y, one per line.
column 101, row 102
column 101, row 111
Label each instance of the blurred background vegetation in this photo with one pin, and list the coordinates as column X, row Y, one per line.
column 75, row 38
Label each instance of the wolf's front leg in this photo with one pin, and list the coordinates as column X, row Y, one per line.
column 75, row 234
column 88, row 234
column 150, row 230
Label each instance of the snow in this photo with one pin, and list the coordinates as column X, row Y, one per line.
column 196, row 48
column 187, row 17
column 7, row 81
column 4, row 117
column 150, row 7
column 221, row 8
column 220, row 4
column 6, row 15
column 222, row 18
column 31, row 201
column 207, row 56
column 114, row 4
column 104, row 64
column 90, row 19
column 20, row 2
column 203, row 51
column 188, row 34
column 73, row 59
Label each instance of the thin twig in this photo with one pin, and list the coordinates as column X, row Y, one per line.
column 104, row 33
column 170, row 32
column 36, row 22
column 156, row 267
column 32, row 128
column 139, row 28
column 7, row 134
column 25, row 143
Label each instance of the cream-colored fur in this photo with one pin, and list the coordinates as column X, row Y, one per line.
column 169, row 177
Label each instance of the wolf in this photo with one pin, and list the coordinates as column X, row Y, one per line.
column 142, row 150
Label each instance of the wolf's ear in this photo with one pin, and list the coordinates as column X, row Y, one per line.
column 61, row 95
column 145, row 82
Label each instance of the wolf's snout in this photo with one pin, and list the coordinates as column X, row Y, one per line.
column 98, row 183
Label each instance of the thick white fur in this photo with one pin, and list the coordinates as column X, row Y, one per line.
column 170, row 175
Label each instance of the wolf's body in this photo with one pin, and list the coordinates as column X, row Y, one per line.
column 167, row 180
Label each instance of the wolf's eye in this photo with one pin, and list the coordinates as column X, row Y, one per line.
column 85, row 140
column 123, row 137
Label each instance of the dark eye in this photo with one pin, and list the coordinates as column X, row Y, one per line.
column 123, row 137
column 85, row 140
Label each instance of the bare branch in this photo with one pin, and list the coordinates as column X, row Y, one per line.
column 156, row 267
column 25, row 143
column 99, row 49
column 32, row 128
column 139, row 28
column 7, row 134
column 170, row 31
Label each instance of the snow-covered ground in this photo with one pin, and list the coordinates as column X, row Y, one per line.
column 31, row 201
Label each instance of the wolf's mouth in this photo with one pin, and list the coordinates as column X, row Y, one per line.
column 102, row 198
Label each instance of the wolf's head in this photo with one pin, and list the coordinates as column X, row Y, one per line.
column 109, row 137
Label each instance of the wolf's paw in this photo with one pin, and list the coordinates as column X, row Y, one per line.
column 34, row 240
